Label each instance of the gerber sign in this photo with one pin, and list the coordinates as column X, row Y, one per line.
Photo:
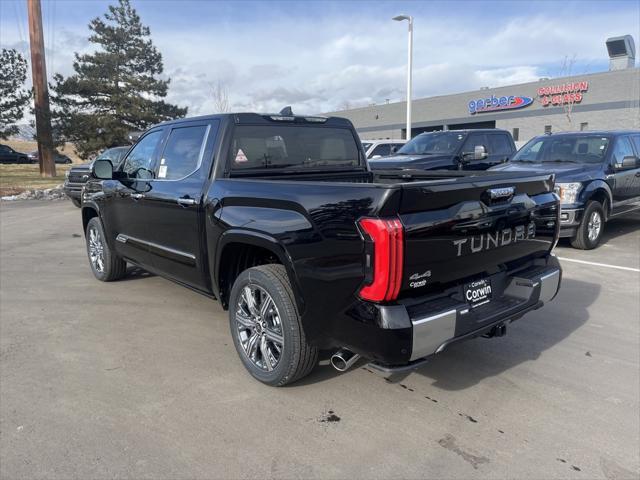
column 496, row 104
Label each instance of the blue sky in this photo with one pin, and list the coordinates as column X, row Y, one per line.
column 319, row 56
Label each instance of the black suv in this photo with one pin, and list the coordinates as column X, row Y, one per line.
column 78, row 175
column 597, row 177
column 9, row 155
column 451, row 150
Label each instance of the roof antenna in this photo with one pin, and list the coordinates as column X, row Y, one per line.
column 286, row 111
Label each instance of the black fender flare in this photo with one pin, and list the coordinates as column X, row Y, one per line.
column 90, row 205
column 598, row 185
column 258, row 239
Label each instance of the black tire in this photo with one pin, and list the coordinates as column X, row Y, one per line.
column 76, row 202
column 113, row 267
column 297, row 358
column 585, row 238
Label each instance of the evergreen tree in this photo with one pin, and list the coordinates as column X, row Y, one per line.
column 14, row 98
column 115, row 90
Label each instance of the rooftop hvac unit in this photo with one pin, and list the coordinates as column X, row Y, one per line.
column 622, row 52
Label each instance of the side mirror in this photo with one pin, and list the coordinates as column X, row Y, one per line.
column 102, row 169
column 627, row 163
column 479, row 153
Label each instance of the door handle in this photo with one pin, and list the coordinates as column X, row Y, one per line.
column 137, row 196
column 186, row 201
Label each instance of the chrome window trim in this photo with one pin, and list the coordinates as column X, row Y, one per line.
column 203, row 147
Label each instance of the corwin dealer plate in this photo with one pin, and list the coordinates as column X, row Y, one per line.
column 478, row 292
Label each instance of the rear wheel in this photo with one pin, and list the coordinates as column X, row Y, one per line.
column 266, row 327
column 590, row 231
column 105, row 264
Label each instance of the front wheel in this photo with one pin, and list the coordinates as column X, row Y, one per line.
column 591, row 227
column 76, row 202
column 105, row 264
column 266, row 327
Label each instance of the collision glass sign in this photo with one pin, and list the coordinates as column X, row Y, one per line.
column 496, row 104
column 566, row 93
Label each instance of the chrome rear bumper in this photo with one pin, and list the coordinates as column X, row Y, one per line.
column 524, row 292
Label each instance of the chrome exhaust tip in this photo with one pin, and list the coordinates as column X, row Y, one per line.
column 344, row 359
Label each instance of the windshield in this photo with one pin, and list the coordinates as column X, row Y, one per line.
column 564, row 148
column 432, row 143
column 292, row 147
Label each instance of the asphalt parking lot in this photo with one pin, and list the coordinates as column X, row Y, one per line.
column 139, row 379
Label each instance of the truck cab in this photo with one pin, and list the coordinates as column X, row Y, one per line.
column 451, row 150
column 597, row 177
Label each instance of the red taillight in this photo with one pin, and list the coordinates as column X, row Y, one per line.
column 387, row 238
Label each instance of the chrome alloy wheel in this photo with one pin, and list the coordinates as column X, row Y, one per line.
column 96, row 249
column 594, row 226
column 259, row 328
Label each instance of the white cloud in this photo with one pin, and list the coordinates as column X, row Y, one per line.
column 318, row 64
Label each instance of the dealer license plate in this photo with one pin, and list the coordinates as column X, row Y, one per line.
column 478, row 292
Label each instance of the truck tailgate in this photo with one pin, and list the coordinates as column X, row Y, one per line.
column 468, row 229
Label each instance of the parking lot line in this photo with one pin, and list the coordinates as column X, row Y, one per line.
column 596, row 264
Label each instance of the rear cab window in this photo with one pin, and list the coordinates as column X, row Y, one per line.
column 499, row 144
column 290, row 147
column 474, row 140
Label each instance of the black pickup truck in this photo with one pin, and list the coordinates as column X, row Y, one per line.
column 280, row 219
column 597, row 177
column 451, row 150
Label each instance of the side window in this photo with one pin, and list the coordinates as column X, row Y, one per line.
column 474, row 140
column 622, row 148
column 500, row 145
column 382, row 150
column 4, row 149
column 636, row 143
column 139, row 162
column 182, row 153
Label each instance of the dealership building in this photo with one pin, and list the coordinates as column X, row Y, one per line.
column 596, row 101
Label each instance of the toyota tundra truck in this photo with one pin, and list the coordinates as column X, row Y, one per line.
column 280, row 219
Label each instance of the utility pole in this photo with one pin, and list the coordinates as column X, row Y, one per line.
column 409, row 18
column 39, row 74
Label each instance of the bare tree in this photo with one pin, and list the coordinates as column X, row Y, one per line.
column 568, row 98
column 220, row 95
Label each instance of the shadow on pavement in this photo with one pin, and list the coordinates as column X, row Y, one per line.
column 135, row 273
column 467, row 363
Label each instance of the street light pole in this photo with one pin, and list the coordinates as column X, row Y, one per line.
column 409, row 18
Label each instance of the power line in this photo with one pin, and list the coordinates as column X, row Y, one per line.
column 19, row 23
